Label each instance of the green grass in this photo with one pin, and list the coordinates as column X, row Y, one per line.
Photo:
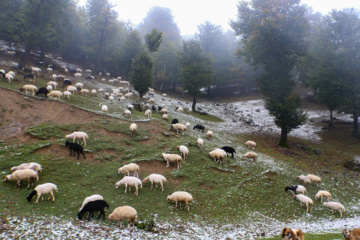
column 328, row 236
column 205, row 116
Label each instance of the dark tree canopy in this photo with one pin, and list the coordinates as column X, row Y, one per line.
column 153, row 40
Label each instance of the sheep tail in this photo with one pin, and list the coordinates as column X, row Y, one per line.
column 29, row 197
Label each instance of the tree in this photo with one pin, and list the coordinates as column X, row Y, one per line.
column 195, row 69
column 274, row 38
column 141, row 75
column 153, row 40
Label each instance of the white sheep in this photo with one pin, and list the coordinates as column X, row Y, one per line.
column 151, row 101
column 32, row 165
column 23, row 174
column 77, row 75
column 53, row 84
column 187, row 124
column 164, row 111
column 183, row 150
column 93, row 92
column 133, row 129
column 335, row 206
column 200, row 143
column 250, row 144
column 28, row 88
column 54, row 94
column 9, row 77
column 35, row 70
column 84, row 91
column 165, row 117
column 91, row 199
column 250, row 155
column 71, row 89
column 305, row 200
column 179, row 109
column 172, row 158
column 78, row 135
column 131, row 182
column 210, row 135
column 180, row 196
column 179, row 127
column 127, row 113
column 67, row 94
column 314, row 178
column 218, row 155
column 148, row 114
column 40, row 190
column 124, row 213
column 321, row 194
column 130, row 168
column 155, row 178
column 304, row 179
column 49, row 88
column 49, row 70
column 104, row 108
column 54, row 77
column 79, row 85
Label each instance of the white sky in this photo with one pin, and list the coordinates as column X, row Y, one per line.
column 188, row 14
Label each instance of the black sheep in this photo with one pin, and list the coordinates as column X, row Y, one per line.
column 174, row 121
column 153, row 108
column 76, row 148
column 200, row 127
column 292, row 188
column 66, row 82
column 98, row 205
column 42, row 92
column 159, row 108
column 228, row 149
column 30, row 75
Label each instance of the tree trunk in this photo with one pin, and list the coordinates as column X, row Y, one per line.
column 355, row 131
column 23, row 59
column 331, row 118
column 283, row 139
column 161, row 86
column 193, row 105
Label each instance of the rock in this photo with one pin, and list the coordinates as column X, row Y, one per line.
column 354, row 166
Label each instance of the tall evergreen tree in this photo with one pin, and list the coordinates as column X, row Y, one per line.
column 274, row 37
column 153, row 40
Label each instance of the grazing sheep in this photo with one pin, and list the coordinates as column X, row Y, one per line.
column 172, row 158
column 104, row 108
column 91, row 199
column 174, row 121
column 296, row 189
column 335, row 206
column 9, row 77
column 199, row 127
column 179, row 127
column 93, row 92
column 49, row 70
column 151, row 101
column 250, row 155
column 77, row 75
column 23, row 174
column 79, row 85
column 54, row 94
column 179, row 109
column 49, row 88
column 292, row 234
column 230, row 150
column 53, row 84
column 97, row 205
column 76, row 148
column 28, row 88
column 67, row 94
column 133, row 129
column 124, row 213
column 187, row 124
column 200, row 143
column 305, row 200
column 180, row 197
column 314, row 178
column 163, row 111
column 183, row 150
column 71, row 89
column 304, row 179
column 32, row 165
column 66, row 82
column 351, row 234
column 250, row 144
column 321, row 194
column 31, row 76
column 210, row 135
column 218, row 155
column 77, row 136
column 40, row 190
column 127, row 113
column 35, row 70
column 165, row 117
column 131, row 182
column 148, row 113
column 155, row 178
column 130, row 168
column 84, row 92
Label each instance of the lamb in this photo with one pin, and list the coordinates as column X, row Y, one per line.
column 40, row 190
column 218, row 155
column 314, row 178
column 78, row 135
column 91, row 199
column 23, row 174
column 155, row 178
column 127, row 113
column 133, row 129
column 179, row 127
column 180, row 196
column 351, row 234
column 250, row 155
column 148, row 113
column 335, row 206
column 187, row 124
column 183, row 150
column 321, row 194
column 104, row 108
column 250, row 144
column 54, row 94
column 28, row 88
column 296, row 189
column 32, row 165
column 76, row 148
column 199, row 127
column 130, row 168
column 131, row 182
column 200, row 143
column 172, row 158
column 124, row 213
column 67, row 94
column 165, row 117
column 305, row 200
column 304, row 179
column 228, row 149
column 97, row 205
